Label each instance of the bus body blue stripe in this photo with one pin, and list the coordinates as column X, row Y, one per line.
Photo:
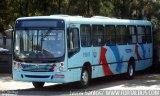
column 117, row 57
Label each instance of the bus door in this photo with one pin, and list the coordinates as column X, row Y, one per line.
column 73, row 46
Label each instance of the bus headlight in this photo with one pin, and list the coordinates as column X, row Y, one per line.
column 61, row 68
column 17, row 66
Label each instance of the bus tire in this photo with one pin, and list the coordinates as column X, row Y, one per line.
column 38, row 84
column 130, row 70
column 85, row 78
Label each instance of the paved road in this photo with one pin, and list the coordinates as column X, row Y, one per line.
column 141, row 81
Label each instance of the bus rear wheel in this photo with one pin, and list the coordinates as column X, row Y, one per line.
column 130, row 71
column 38, row 84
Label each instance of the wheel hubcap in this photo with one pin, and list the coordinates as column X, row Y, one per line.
column 85, row 77
column 131, row 70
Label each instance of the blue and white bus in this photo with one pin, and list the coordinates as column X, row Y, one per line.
column 63, row 49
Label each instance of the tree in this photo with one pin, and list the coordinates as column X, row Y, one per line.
column 127, row 9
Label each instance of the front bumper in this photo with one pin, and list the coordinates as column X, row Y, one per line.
column 55, row 77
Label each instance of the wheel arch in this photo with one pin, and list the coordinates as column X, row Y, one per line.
column 132, row 61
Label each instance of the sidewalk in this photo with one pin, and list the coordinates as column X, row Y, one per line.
column 6, row 83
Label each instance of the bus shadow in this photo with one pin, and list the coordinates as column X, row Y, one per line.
column 96, row 84
column 62, row 89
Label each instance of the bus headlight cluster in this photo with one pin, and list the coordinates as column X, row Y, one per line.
column 16, row 66
column 61, row 68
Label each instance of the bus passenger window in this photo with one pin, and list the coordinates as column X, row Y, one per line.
column 120, row 34
column 131, row 34
column 109, row 34
column 141, row 34
column 85, row 35
column 98, row 32
column 148, row 34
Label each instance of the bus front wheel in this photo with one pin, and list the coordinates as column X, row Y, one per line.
column 85, row 78
column 38, row 84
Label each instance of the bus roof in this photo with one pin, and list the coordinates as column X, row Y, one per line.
column 91, row 20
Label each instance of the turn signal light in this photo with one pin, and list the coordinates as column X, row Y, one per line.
column 52, row 67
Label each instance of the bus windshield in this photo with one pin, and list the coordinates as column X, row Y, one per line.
column 39, row 43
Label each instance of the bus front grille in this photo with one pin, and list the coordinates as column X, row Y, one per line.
column 39, row 76
column 37, row 68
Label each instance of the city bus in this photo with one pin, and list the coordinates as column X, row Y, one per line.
column 64, row 49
